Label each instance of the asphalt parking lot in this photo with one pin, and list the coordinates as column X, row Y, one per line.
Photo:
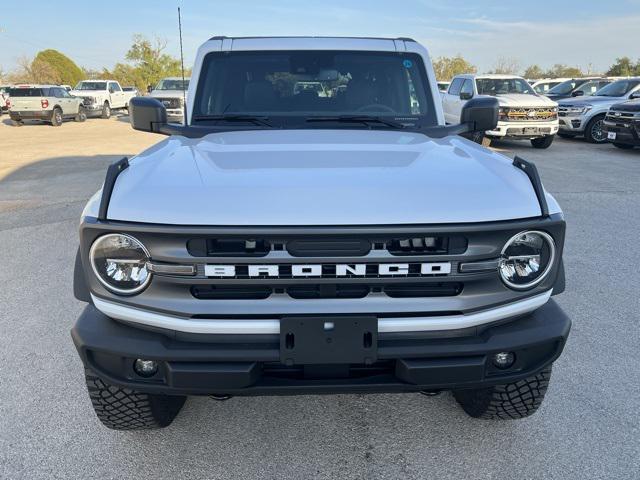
column 588, row 427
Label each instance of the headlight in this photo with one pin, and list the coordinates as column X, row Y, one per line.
column 527, row 259
column 579, row 109
column 119, row 262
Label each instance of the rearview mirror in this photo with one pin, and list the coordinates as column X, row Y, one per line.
column 480, row 113
column 577, row 93
column 147, row 114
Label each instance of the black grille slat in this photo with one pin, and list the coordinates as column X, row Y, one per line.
column 325, row 291
column 329, row 248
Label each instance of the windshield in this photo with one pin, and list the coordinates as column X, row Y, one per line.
column 565, row 87
column 503, row 86
column 173, row 84
column 617, row 89
column 303, row 84
column 91, row 86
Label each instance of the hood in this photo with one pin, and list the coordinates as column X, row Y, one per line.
column 591, row 99
column 320, row 177
column 87, row 93
column 166, row 93
column 524, row 100
column 630, row 106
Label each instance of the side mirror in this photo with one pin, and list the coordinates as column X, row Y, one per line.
column 466, row 96
column 149, row 88
column 147, row 114
column 634, row 95
column 480, row 113
column 577, row 93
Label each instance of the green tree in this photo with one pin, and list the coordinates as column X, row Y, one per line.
column 66, row 71
column 448, row 67
column 560, row 70
column 533, row 72
column 624, row 67
column 149, row 61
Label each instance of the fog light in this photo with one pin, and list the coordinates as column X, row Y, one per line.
column 504, row 359
column 145, row 368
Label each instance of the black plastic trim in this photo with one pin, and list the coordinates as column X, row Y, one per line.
column 532, row 172
column 80, row 287
column 113, row 171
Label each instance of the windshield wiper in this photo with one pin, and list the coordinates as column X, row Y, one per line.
column 263, row 121
column 366, row 119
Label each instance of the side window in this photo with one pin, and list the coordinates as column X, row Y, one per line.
column 467, row 87
column 114, row 87
column 456, row 85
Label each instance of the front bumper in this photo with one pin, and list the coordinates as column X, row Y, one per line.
column 524, row 130
column 627, row 133
column 251, row 364
column 572, row 124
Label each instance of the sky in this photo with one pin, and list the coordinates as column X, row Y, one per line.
column 589, row 34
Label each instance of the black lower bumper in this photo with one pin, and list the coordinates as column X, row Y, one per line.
column 625, row 134
column 250, row 364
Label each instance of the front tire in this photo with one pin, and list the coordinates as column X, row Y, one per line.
column 56, row 117
column 624, row 146
column 509, row 401
column 125, row 409
column 81, row 116
column 106, row 110
column 593, row 132
column 542, row 142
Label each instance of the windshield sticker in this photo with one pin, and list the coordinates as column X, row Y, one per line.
column 407, row 63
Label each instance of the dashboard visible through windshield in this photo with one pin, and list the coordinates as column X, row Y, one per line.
column 294, row 86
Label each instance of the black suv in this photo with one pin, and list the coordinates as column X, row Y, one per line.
column 622, row 124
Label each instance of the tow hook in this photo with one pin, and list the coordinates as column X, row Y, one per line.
column 220, row 398
column 431, row 393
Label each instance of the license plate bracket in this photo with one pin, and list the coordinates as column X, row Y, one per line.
column 328, row 340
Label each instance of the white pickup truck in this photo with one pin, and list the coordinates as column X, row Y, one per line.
column 102, row 96
column 523, row 114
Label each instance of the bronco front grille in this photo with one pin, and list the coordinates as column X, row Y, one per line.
column 326, row 291
column 329, row 246
column 528, row 114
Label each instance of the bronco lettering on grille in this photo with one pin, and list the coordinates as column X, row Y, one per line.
column 329, row 271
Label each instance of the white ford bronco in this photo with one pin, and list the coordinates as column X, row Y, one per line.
column 49, row 103
column 523, row 114
column 289, row 240
column 102, row 96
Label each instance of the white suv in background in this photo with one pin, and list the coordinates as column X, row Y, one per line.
column 523, row 114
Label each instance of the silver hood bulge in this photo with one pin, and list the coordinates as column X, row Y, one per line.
column 320, row 177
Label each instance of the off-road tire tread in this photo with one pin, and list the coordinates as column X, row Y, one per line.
column 510, row 401
column 125, row 409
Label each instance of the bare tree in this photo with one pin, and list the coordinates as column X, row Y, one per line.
column 506, row 66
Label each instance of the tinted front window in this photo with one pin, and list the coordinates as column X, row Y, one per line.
column 467, row 87
column 502, row 86
column 313, row 83
column 617, row 89
column 91, row 86
column 566, row 87
column 27, row 92
column 455, row 87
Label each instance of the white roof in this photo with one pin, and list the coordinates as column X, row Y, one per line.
column 304, row 43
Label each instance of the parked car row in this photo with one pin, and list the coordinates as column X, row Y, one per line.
column 602, row 109
column 89, row 98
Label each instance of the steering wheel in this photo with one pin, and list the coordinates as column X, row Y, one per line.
column 375, row 107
